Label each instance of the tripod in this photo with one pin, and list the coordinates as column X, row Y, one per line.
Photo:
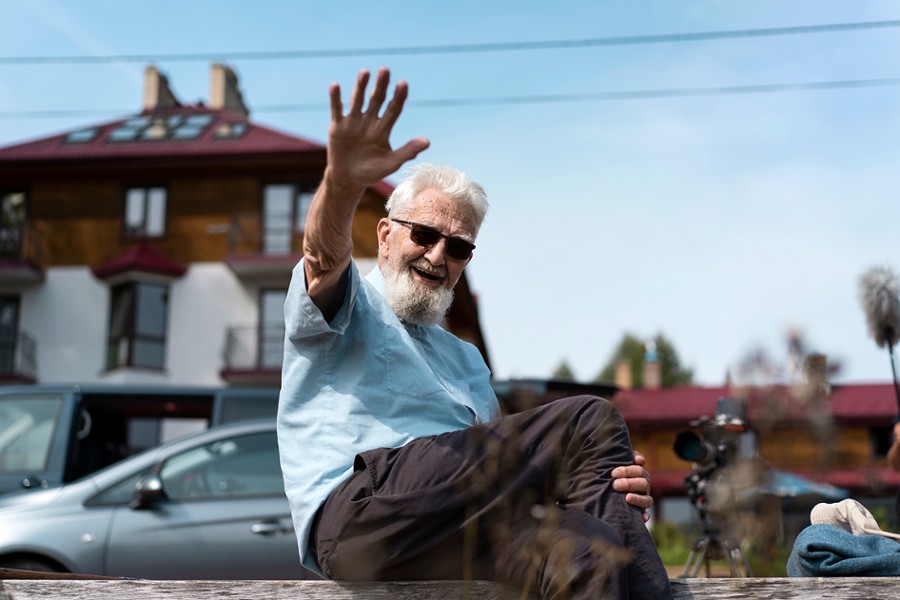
column 710, row 546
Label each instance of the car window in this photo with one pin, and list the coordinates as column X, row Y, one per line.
column 27, row 424
column 120, row 493
column 244, row 465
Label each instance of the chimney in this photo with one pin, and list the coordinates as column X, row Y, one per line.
column 157, row 93
column 623, row 379
column 652, row 368
column 224, row 91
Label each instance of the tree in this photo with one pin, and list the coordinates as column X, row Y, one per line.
column 563, row 371
column 634, row 350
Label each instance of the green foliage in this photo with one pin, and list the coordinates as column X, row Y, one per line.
column 633, row 349
column 563, row 371
column 672, row 542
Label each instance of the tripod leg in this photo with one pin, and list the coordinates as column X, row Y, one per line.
column 696, row 558
column 729, row 557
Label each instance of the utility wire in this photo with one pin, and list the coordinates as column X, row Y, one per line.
column 811, row 86
column 450, row 48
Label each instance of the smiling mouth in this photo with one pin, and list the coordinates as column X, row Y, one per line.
column 426, row 275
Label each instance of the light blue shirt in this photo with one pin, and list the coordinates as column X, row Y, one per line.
column 365, row 380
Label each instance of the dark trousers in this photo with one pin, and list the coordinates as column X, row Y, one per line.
column 526, row 499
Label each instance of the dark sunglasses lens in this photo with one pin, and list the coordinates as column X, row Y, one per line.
column 428, row 237
column 424, row 236
column 459, row 249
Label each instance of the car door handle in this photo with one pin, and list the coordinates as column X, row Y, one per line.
column 271, row 528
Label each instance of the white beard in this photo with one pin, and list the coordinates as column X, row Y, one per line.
column 414, row 302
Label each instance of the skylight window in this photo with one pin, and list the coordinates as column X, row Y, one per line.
column 230, row 131
column 173, row 127
column 82, row 136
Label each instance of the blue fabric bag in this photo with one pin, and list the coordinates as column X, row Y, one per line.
column 829, row 551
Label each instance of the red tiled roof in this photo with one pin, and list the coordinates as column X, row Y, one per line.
column 671, row 482
column 256, row 140
column 678, row 406
column 143, row 258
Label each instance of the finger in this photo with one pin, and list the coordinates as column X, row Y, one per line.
column 646, row 516
column 630, row 471
column 639, row 459
column 639, row 500
column 395, row 106
column 378, row 92
column 337, row 107
column 411, row 149
column 632, row 484
column 359, row 92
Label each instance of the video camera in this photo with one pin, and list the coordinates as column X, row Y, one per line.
column 715, row 447
column 717, row 443
column 711, row 485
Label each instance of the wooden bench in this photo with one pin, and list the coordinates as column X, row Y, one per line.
column 57, row 588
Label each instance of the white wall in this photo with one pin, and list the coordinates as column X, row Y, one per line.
column 202, row 305
column 68, row 315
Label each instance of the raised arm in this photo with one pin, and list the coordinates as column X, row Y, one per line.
column 893, row 455
column 359, row 155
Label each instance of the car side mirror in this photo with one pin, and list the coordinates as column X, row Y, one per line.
column 148, row 491
column 33, row 482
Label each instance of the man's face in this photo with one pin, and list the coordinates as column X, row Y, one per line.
column 419, row 280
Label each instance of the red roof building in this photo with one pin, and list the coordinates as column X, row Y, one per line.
column 839, row 438
column 157, row 247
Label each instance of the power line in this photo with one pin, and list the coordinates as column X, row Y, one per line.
column 450, row 48
column 650, row 94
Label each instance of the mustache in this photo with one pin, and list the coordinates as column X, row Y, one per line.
column 423, row 265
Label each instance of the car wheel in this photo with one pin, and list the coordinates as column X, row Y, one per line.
column 29, row 564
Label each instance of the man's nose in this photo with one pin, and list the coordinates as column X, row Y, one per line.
column 436, row 254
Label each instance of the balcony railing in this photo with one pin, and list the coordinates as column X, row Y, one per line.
column 253, row 355
column 18, row 358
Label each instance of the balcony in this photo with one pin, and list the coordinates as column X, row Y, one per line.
column 252, row 356
column 257, row 252
column 18, row 362
column 21, row 254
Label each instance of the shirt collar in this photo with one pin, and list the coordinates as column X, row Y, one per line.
column 376, row 278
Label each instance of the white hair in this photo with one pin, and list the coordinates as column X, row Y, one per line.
column 452, row 183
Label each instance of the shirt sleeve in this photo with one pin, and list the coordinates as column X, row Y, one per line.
column 303, row 319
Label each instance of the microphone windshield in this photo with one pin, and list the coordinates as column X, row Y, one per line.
column 879, row 295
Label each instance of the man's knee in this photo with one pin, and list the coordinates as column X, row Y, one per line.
column 588, row 554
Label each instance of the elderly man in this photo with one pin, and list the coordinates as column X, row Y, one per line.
column 397, row 463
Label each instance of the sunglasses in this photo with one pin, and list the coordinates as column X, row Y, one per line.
column 427, row 237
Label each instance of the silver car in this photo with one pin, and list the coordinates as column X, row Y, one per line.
column 211, row 506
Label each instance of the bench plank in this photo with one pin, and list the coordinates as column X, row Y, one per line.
column 802, row 588
column 843, row 588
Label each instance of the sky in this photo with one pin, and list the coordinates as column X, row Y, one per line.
column 724, row 221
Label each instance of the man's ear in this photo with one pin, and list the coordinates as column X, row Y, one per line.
column 383, row 230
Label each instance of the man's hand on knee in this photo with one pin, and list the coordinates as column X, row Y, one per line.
column 634, row 482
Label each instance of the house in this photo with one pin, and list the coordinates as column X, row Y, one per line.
column 837, row 437
column 157, row 247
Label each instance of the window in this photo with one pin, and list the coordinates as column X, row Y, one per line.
column 237, row 467
column 271, row 328
column 145, row 212
column 285, row 207
column 137, row 325
column 12, row 223
column 9, row 332
column 27, row 426
column 82, row 136
column 174, row 127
